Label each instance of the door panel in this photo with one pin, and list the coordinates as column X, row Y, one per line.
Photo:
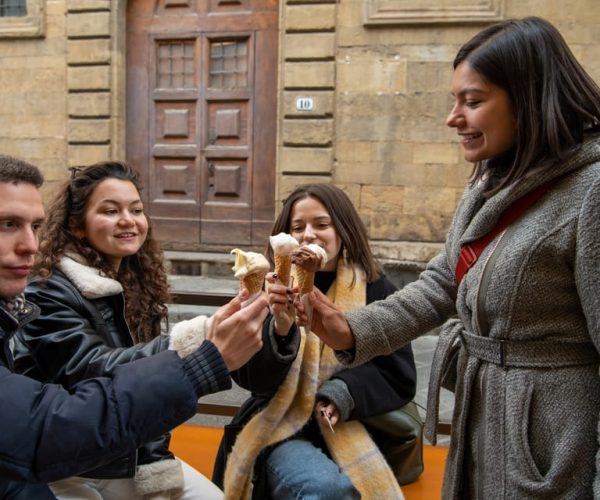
column 205, row 85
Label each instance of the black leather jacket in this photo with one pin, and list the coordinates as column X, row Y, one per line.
column 88, row 338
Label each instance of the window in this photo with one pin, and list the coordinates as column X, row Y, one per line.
column 12, row 8
column 228, row 64
column 21, row 18
column 175, row 64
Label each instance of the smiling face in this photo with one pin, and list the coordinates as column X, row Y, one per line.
column 482, row 115
column 311, row 223
column 115, row 223
column 21, row 215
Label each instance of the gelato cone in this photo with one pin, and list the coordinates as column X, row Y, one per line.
column 250, row 268
column 283, row 245
column 306, row 280
column 253, row 282
column 307, row 260
column 283, row 268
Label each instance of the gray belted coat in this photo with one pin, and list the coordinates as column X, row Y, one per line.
column 526, row 415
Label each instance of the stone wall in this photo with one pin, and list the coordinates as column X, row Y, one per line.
column 59, row 90
column 91, row 82
column 376, row 72
column 390, row 148
column 33, row 97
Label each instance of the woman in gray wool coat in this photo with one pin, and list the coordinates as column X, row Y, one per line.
column 524, row 323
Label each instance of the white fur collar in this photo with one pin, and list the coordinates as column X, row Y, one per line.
column 87, row 279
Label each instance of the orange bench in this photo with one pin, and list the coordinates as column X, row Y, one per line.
column 197, row 445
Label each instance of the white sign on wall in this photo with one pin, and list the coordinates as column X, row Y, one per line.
column 304, row 104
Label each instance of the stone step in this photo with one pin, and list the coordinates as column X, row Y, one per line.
column 198, row 284
column 204, row 272
column 200, row 263
column 214, row 264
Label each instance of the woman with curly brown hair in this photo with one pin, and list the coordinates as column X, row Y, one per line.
column 102, row 289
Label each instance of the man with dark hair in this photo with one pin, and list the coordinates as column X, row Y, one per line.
column 48, row 433
column 15, row 171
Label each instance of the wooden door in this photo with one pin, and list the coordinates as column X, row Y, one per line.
column 201, row 117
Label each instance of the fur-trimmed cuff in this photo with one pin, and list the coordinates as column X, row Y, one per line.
column 186, row 336
column 164, row 475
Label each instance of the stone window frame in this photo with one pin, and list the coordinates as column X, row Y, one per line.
column 31, row 25
column 382, row 13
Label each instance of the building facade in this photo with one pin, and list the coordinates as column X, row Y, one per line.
column 225, row 106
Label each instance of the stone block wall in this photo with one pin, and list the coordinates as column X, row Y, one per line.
column 90, row 85
column 390, row 148
column 377, row 77
column 33, row 101
column 307, row 58
column 56, row 90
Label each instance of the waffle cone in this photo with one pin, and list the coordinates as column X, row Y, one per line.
column 283, row 267
column 306, row 280
column 253, row 282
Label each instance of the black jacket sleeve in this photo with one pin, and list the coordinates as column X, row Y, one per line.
column 49, row 433
column 267, row 369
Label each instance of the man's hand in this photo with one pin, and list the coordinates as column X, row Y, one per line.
column 237, row 332
column 328, row 322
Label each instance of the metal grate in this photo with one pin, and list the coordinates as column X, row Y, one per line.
column 175, row 68
column 229, row 64
column 13, row 8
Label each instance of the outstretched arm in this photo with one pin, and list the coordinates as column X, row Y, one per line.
column 384, row 326
column 49, row 433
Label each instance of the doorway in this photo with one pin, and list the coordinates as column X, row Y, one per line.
column 201, row 118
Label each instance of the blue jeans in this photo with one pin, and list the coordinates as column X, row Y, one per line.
column 300, row 470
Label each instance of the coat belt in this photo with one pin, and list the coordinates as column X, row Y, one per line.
column 529, row 353
column 504, row 353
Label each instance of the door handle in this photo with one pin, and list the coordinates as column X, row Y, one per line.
column 212, row 136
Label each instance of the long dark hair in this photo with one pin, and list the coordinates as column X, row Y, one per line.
column 345, row 218
column 142, row 275
column 554, row 100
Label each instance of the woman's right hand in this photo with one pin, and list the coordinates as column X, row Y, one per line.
column 328, row 321
column 281, row 304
